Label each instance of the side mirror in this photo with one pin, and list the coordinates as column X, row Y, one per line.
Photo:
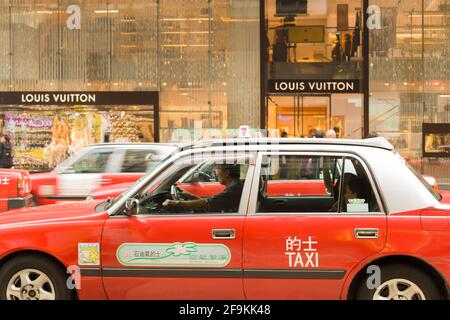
column 132, row 207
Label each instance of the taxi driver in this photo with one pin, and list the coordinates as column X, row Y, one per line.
column 226, row 201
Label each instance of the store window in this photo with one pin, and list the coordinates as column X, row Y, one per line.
column 315, row 114
column 410, row 80
column 44, row 136
column 314, row 39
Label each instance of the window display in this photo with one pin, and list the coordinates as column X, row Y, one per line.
column 43, row 138
column 324, row 42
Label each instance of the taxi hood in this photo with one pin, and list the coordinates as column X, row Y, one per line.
column 72, row 211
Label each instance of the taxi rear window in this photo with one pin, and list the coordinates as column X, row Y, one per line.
column 436, row 195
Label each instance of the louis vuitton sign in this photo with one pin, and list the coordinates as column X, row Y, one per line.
column 79, row 98
column 314, row 86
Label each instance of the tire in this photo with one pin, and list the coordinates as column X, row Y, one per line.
column 400, row 282
column 43, row 278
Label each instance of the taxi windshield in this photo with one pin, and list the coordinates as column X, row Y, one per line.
column 154, row 166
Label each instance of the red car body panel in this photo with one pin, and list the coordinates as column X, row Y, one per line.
column 42, row 179
column 56, row 230
column 50, row 179
column 336, row 246
column 13, row 196
column 168, row 230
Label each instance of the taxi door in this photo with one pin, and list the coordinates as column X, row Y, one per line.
column 297, row 252
column 175, row 256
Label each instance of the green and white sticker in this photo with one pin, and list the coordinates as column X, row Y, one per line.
column 176, row 254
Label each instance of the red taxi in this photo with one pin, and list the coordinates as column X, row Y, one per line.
column 97, row 166
column 15, row 189
column 371, row 229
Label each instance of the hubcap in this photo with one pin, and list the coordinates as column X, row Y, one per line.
column 30, row 284
column 398, row 289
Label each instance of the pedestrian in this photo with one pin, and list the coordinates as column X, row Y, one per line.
column 6, row 159
column 331, row 134
column 319, row 134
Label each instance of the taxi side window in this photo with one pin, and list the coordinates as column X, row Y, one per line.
column 135, row 161
column 211, row 186
column 299, row 183
column 95, row 161
column 357, row 194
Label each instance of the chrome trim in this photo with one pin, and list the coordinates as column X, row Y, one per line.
column 223, row 234
column 367, row 233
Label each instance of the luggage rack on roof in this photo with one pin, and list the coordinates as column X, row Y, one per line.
column 378, row 142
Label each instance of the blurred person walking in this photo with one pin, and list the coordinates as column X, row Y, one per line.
column 331, row 134
column 6, row 159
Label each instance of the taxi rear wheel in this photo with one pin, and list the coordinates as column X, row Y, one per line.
column 33, row 277
column 399, row 282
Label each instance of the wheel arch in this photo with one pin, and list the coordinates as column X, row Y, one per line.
column 15, row 254
column 403, row 259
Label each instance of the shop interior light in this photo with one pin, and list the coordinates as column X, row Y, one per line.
column 428, row 14
column 186, row 19
column 446, row 96
column 184, row 45
column 226, row 19
column 106, row 11
column 186, row 32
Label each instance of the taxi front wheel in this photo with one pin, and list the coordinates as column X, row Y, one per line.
column 399, row 282
column 33, row 277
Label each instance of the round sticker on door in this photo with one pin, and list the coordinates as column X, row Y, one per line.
column 176, row 254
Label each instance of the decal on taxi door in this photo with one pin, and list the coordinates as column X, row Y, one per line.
column 89, row 254
column 176, row 254
column 302, row 254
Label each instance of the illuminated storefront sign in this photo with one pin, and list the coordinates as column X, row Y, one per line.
column 314, row 86
column 85, row 98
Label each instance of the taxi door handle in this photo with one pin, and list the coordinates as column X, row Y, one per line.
column 366, row 233
column 224, row 234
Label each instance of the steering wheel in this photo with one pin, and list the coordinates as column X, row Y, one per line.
column 174, row 192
